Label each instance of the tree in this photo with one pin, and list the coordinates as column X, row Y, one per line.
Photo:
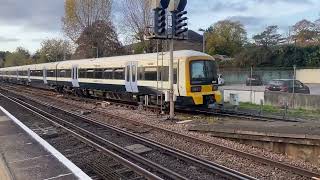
column 136, row 18
column 99, row 38
column 3, row 55
column 269, row 37
column 88, row 24
column 305, row 33
column 226, row 37
column 81, row 14
column 53, row 50
column 20, row 57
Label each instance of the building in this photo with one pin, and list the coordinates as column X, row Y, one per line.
column 194, row 42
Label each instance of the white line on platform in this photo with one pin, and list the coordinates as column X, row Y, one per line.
column 72, row 167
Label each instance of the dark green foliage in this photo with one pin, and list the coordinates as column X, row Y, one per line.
column 279, row 56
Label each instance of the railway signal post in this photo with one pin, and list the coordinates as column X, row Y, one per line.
column 177, row 31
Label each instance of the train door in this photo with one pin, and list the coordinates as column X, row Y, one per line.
column 74, row 76
column 17, row 74
column 44, row 74
column 29, row 74
column 127, row 77
column 131, row 73
column 134, row 77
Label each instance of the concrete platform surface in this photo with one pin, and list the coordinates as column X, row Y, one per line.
column 303, row 129
column 23, row 157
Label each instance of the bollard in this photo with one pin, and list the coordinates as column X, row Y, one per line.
column 261, row 107
column 146, row 100
column 285, row 111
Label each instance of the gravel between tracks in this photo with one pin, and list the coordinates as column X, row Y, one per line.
column 246, row 166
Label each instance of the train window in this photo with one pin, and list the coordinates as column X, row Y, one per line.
column 22, row 73
column 36, row 73
column 119, row 73
column 202, row 72
column 62, row 73
column 51, row 73
column 68, row 73
column 108, row 74
column 134, row 69
column 150, row 74
column 90, row 74
column 128, row 73
column 164, row 73
column 82, row 73
column 98, row 73
column 140, row 73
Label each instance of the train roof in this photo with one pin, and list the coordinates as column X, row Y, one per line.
column 136, row 57
column 150, row 56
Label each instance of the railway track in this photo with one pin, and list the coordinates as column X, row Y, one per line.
column 195, row 111
column 116, row 141
column 233, row 114
column 256, row 158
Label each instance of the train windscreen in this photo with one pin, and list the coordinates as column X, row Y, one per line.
column 203, row 72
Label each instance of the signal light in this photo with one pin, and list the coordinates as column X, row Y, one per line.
column 160, row 21
column 179, row 23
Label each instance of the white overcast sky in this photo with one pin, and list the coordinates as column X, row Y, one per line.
column 27, row 22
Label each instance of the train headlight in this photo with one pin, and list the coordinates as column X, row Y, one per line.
column 214, row 87
column 196, row 89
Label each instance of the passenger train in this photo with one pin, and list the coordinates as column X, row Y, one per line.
column 131, row 77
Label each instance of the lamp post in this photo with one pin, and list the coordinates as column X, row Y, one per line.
column 203, row 40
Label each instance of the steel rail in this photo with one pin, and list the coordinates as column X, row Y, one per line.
column 118, row 158
column 213, row 167
column 260, row 159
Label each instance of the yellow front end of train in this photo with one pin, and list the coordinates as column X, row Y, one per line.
column 202, row 81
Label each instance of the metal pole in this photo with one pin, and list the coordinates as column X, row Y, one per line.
column 251, row 74
column 158, row 72
column 293, row 85
column 162, row 73
column 294, row 78
column 204, row 42
column 171, row 114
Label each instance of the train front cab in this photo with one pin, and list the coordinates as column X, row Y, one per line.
column 201, row 81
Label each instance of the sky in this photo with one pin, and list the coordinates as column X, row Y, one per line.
column 26, row 23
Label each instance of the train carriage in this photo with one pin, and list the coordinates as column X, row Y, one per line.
column 132, row 77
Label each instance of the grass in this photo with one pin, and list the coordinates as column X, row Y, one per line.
column 276, row 110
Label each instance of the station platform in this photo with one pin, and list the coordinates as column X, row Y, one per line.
column 297, row 140
column 299, row 129
column 24, row 155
